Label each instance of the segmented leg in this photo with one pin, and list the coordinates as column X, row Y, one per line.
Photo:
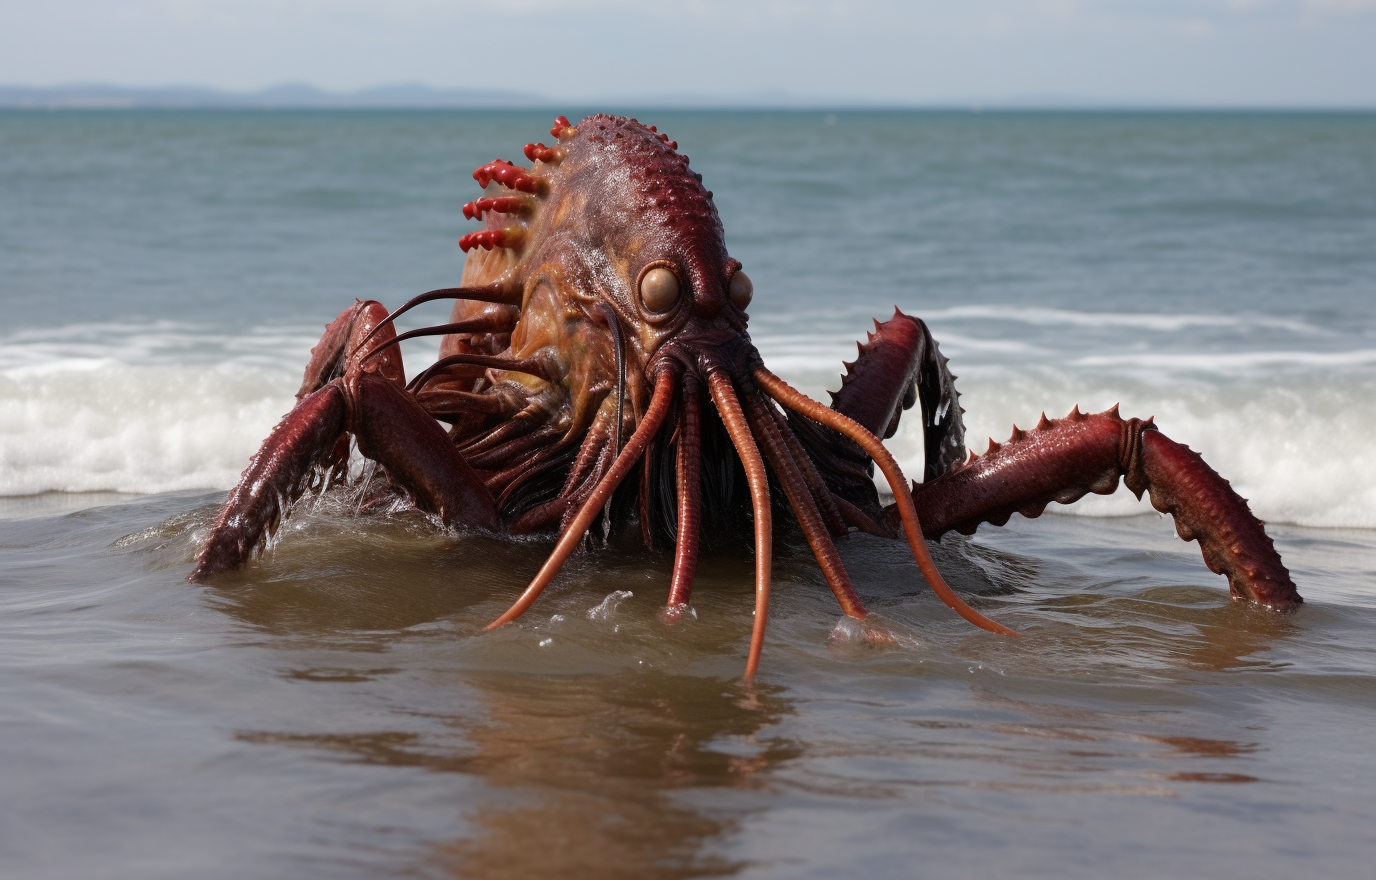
column 343, row 392
column 303, row 445
column 1064, row 459
column 347, row 339
column 898, row 365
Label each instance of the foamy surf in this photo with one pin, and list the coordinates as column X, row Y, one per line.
column 167, row 406
column 143, row 409
column 1278, row 406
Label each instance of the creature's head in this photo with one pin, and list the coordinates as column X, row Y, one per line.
column 608, row 322
column 609, row 229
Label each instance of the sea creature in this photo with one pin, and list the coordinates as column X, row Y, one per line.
column 600, row 333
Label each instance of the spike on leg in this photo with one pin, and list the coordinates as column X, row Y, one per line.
column 898, row 365
column 1233, row 541
column 1064, row 459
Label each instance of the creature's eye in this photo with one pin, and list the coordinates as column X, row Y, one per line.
column 659, row 289
column 741, row 290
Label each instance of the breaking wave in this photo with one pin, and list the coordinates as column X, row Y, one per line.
column 167, row 406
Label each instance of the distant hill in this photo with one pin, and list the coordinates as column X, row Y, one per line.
column 294, row 95
column 418, row 95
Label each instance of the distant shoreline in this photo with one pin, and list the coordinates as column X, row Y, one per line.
column 98, row 97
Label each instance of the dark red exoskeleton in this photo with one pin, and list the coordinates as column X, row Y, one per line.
column 597, row 368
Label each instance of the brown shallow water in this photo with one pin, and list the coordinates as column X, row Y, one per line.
column 334, row 711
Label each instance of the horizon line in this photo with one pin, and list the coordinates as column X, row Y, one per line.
column 422, row 96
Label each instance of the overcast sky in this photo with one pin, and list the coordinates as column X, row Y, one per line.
column 1238, row 52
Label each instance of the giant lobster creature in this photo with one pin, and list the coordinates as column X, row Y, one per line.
column 600, row 335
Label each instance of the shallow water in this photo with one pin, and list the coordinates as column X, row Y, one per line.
column 334, row 710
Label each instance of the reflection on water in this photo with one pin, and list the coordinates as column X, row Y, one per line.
column 339, row 711
column 582, row 768
column 583, row 771
column 594, row 764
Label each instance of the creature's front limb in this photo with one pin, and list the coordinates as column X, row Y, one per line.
column 344, row 393
column 1063, row 459
column 309, row 440
column 898, row 365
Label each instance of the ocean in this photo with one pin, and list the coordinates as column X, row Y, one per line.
column 334, row 709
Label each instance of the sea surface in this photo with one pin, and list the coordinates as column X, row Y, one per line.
column 334, row 710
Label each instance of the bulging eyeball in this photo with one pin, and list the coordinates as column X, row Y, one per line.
column 659, row 289
column 741, row 290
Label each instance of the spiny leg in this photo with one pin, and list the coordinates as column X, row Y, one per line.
column 898, row 365
column 1064, row 459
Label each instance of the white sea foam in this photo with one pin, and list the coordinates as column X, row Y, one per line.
column 1231, row 362
column 1290, row 429
column 128, row 408
column 1135, row 321
column 859, row 316
column 152, row 409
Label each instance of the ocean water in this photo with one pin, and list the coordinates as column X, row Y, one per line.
column 333, row 710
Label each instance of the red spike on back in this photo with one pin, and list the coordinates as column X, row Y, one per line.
column 542, row 153
column 507, row 175
column 562, row 128
column 487, row 239
column 1043, row 423
column 503, row 205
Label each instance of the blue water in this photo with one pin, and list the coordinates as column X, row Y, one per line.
column 334, row 711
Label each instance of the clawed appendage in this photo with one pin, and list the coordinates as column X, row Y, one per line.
column 1059, row 460
column 353, row 385
column 596, row 373
column 1062, row 460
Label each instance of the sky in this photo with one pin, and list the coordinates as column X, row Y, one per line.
column 1293, row 53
